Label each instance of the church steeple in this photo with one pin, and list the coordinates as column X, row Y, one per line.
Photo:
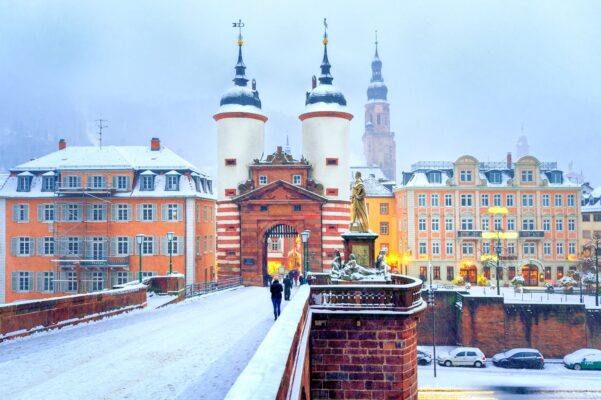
column 325, row 78
column 377, row 90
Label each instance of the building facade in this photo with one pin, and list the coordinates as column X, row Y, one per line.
column 591, row 216
column 263, row 199
column 72, row 216
column 379, row 147
column 454, row 215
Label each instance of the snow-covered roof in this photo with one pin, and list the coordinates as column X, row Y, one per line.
column 375, row 188
column 591, row 202
column 367, row 171
column 108, row 158
column 325, row 97
column 227, row 108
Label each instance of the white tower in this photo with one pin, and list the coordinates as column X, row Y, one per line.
column 240, row 131
column 326, row 133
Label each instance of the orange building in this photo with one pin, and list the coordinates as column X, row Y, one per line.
column 71, row 219
column 452, row 214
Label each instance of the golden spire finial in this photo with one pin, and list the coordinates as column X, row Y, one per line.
column 325, row 32
column 239, row 25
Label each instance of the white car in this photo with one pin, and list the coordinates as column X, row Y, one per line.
column 583, row 359
column 462, row 356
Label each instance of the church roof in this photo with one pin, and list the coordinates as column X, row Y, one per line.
column 377, row 90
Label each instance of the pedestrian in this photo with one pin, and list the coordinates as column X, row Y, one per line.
column 276, row 297
column 301, row 280
column 296, row 277
column 269, row 280
column 287, row 287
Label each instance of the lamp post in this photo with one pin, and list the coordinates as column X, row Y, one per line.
column 431, row 302
column 170, row 239
column 498, row 251
column 305, row 238
column 597, row 270
column 139, row 240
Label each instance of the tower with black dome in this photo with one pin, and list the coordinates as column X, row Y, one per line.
column 379, row 146
column 325, row 129
column 240, row 130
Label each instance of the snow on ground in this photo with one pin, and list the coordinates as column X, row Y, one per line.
column 194, row 349
column 553, row 376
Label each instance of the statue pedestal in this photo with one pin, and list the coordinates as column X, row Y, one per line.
column 362, row 246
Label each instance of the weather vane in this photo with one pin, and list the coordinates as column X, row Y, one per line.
column 239, row 25
column 325, row 31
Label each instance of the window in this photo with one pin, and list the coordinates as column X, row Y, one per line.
column 121, row 182
column 147, row 212
column 274, row 245
column 558, row 200
column 547, row 224
column 46, row 281
column 46, row 246
column 486, row 248
column 571, row 248
column 331, row 191
column 547, row 273
column 528, row 224
column 547, row 249
column 448, row 224
column 97, row 248
column 449, row 248
column 383, row 228
column 529, row 249
column 485, row 223
column 571, row 224
column 467, row 224
column 498, row 222
column 511, row 249
column 486, row 272
column 435, row 248
column 509, row 200
column 205, row 244
column 72, row 182
column 467, row 248
column 21, row 213
column 147, row 182
column 436, row 273
column 496, row 200
column 296, row 207
column 494, row 177
column 296, row 179
column 421, row 200
column 122, row 246
column 510, row 273
column 527, row 200
column 466, row 200
column 24, row 183
column 448, row 200
column 262, row 180
column 384, row 208
column 172, row 182
column 555, row 177
column 434, row 200
column 435, row 224
column 571, row 200
column 22, row 281
column 597, row 217
column 97, row 182
column 546, row 200
column 46, row 212
column 527, row 176
column 121, row 278
column 73, row 246
column 48, row 184
column 511, row 224
column 559, row 224
column 230, row 162
column 559, row 248
column 331, row 161
column 72, row 212
column 559, row 272
column 484, row 200
column 450, row 273
column 71, row 281
column 96, row 212
column 264, row 208
column 171, row 212
column 172, row 247
column 148, row 246
column 22, row 246
column 97, row 281
column 421, row 224
column 121, row 212
column 423, row 248
column 465, row 175
column 434, row 177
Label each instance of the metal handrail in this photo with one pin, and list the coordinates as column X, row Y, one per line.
column 198, row 289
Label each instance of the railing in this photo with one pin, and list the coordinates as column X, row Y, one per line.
column 90, row 261
column 396, row 298
column 198, row 289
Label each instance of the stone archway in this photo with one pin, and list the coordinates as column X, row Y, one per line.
column 284, row 234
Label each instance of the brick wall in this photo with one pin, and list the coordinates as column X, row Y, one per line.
column 446, row 320
column 25, row 318
column 593, row 323
column 363, row 356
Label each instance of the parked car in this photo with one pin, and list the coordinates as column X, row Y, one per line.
column 423, row 357
column 519, row 358
column 462, row 356
column 583, row 359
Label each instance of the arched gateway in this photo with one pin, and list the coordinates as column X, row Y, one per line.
column 281, row 250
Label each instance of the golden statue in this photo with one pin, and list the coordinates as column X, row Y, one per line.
column 359, row 220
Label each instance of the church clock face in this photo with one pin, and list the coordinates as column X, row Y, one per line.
column 361, row 252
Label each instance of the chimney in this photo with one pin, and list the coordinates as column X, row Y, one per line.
column 62, row 144
column 509, row 161
column 313, row 82
column 155, row 144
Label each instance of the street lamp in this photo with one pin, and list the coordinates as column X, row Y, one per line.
column 498, row 248
column 305, row 238
column 432, row 303
column 596, row 270
column 170, row 239
column 139, row 240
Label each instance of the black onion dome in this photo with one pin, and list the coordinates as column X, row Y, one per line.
column 377, row 89
column 241, row 94
column 325, row 92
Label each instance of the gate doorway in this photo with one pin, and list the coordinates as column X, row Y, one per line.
column 282, row 251
column 469, row 273
column 530, row 275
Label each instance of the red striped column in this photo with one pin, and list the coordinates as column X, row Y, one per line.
column 228, row 239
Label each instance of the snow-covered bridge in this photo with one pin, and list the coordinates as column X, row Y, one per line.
column 195, row 349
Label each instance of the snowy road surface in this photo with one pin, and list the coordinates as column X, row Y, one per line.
column 194, row 350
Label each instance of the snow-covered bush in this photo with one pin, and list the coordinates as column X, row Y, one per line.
column 459, row 281
column 482, row 281
column 517, row 281
column 567, row 281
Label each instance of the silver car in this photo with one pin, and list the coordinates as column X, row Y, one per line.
column 462, row 356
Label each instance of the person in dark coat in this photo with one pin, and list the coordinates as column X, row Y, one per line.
column 276, row 290
column 287, row 287
column 269, row 280
column 301, row 280
column 296, row 277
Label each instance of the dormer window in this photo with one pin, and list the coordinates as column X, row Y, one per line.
column 555, row 177
column 527, row 176
column 172, row 181
column 147, row 182
column 96, row 182
column 48, row 184
column 210, row 186
column 494, row 177
column 465, row 175
column 24, row 182
column 434, row 177
column 121, row 182
column 72, row 182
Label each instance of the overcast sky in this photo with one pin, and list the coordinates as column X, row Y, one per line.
column 462, row 77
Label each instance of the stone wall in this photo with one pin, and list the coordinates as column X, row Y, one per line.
column 33, row 316
column 363, row 356
column 446, row 320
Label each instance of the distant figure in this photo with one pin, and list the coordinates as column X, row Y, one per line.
column 301, row 280
column 269, row 280
column 276, row 290
column 287, row 287
column 296, row 277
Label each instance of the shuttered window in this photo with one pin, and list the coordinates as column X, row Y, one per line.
column 121, row 212
column 177, row 246
column 45, row 281
column 121, row 182
column 22, row 281
column 21, row 213
column 171, row 212
column 46, row 213
column 22, row 246
column 146, row 212
column 96, row 212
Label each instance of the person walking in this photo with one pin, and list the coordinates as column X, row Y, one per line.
column 276, row 297
column 296, row 277
column 301, row 280
column 269, row 280
column 287, row 287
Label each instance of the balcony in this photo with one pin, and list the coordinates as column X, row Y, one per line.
column 110, row 262
column 66, row 189
column 469, row 234
column 532, row 234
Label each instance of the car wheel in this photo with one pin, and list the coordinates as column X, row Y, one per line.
column 448, row 363
column 478, row 364
column 577, row 367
